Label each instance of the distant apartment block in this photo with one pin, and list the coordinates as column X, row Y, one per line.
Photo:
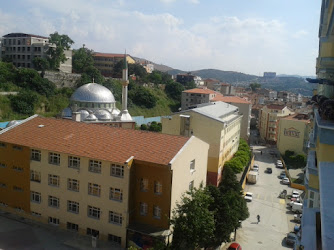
column 116, row 184
column 227, row 89
column 192, row 97
column 269, row 74
column 105, row 62
column 218, row 124
column 185, row 78
column 269, row 121
column 22, row 48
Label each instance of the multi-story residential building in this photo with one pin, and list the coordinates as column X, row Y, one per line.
column 185, row 78
column 192, row 97
column 22, row 48
column 105, row 62
column 293, row 133
column 245, row 108
column 318, row 217
column 218, row 124
column 269, row 121
column 97, row 180
column 227, row 89
column 212, row 84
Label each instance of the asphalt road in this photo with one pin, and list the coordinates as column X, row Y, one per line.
column 275, row 219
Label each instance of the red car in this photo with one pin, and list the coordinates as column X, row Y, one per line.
column 234, row 246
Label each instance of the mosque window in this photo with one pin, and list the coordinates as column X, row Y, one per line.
column 94, row 166
column 117, row 170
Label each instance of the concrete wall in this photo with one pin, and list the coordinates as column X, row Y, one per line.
column 62, row 79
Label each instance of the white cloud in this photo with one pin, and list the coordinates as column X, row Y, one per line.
column 300, row 34
column 193, row 1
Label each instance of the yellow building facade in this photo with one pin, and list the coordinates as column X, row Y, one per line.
column 269, row 121
column 96, row 180
column 218, row 124
column 293, row 134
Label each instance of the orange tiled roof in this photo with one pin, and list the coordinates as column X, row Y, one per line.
column 275, row 106
column 95, row 141
column 97, row 54
column 230, row 99
column 201, row 91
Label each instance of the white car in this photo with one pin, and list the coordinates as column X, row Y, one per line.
column 279, row 161
column 286, row 181
column 279, row 165
column 248, row 196
column 295, row 194
column 256, row 167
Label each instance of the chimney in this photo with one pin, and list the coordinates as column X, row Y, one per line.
column 76, row 116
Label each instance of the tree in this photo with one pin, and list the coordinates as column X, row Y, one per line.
column 254, row 86
column 136, row 69
column 192, row 221
column 142, row 97
column 174, row 90
column 82, row 60
column 41, row 64
column 115, row 86
column 91, row 74
column 59, row 43
column 190, row 85
column 24, row 102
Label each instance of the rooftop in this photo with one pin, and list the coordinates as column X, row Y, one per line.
column 94, row 141
column 275, row 106
column 230, row 99
column 24, row 35
column 300, row 117
column 201, row 91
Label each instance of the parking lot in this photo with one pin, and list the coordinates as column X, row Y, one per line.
column 276, row 220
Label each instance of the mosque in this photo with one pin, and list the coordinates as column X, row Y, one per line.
column 94, row 103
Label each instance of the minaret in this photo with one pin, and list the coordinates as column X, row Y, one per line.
column 124, row 114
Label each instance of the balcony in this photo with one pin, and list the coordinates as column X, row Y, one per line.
column 273, row 132
column 324, row 129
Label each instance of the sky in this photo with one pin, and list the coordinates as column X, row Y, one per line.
column 248, row 36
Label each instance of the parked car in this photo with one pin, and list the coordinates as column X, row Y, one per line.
column 278, row 162
column 234, row 246
column 297, row 207
column 297, row 217
column 269, row 170
column 295, row 194
column 286, row 181
column 248, row 196
column 279, row 165
column 291, row 239
column 255, row 167
column 282, row 175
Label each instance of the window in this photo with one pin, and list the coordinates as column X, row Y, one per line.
column 74, row 162
column 54, row 158
column 116, row 194
column 115, row 218
column 35, row 214
column 191, row 185
column 72, row 226
column 92, row 232
column 35, row 155
column 73, row 185
column 2, row 165
column 35, row 176
column 73, row 207
column 157, row 187
column 94, row 166
column 94, row 212
column 54, row 180
column 114, row 238
column 3, row 185
column 15, row 147
column 53, row 221
column 143, row 185
column 94, row 189
column 17, row 189
column 28, row 49
column 35, row 197
column 53, row 201
column 143, row 208
column 117, row 170
column 18, row 169
column 156, row 212
column 192, row 166
column 2, row 145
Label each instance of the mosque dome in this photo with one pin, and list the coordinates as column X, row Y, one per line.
column 12, row 123
column 67, row 112
column 91, row 117
column 93, row 92
column 83, row 114
column 103, row 115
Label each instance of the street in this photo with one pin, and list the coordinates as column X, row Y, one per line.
column 275, row 219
